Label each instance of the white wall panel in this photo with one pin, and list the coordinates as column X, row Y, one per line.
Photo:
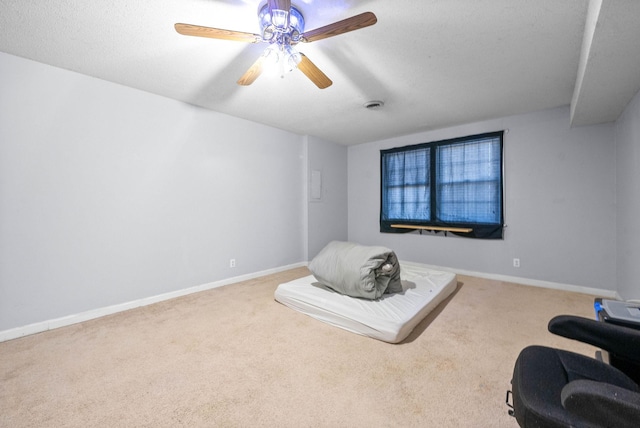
column 328, row 214
column 628, row 200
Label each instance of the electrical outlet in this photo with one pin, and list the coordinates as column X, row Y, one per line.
column 232, row 263
column 516, row 262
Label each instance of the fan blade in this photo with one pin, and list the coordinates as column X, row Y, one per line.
column 313, row 73
column 350, row 24
column 217, row 33
column 252, row 73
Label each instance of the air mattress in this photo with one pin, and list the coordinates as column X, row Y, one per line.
column 390, row 318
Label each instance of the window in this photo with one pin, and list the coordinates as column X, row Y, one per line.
column 453, row 184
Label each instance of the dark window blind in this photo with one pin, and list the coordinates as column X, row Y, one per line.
column 451, row 183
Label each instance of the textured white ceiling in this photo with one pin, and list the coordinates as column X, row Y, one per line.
column 435, row 63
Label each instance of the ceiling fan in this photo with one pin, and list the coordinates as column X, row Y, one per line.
column 282, row 26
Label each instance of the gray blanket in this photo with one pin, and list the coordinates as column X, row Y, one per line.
column 357, row 270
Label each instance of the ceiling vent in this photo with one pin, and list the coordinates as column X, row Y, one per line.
column 374, row 105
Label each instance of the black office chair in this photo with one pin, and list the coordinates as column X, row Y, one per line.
column 553, row 388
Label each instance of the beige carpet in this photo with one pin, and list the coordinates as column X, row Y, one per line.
column 233, row 357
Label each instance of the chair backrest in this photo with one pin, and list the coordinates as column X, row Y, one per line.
column 621, row 343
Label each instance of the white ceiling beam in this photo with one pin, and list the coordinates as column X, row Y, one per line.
column 609, row 68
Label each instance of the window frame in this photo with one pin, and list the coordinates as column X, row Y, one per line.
column 482, row 230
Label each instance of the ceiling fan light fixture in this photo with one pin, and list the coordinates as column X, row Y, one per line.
column 293, row 57
column 280, row 19
column 269, row 34
column 271, row 55
column 284, row 22
column 282, row 26
column 280, row 60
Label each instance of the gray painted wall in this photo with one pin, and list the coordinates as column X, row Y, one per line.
column 628, row 200
column 559, row 203
column 327, row 216
column 109, row 194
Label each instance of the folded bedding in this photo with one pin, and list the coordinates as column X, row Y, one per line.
column 356, row 270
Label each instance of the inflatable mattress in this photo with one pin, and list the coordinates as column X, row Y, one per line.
column 390, row 318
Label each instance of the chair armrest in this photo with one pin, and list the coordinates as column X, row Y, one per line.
column 619, row 340
column 602, row 404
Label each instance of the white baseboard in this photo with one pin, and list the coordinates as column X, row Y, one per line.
column 100, row 312
column 39, row 327
column 609, row 294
